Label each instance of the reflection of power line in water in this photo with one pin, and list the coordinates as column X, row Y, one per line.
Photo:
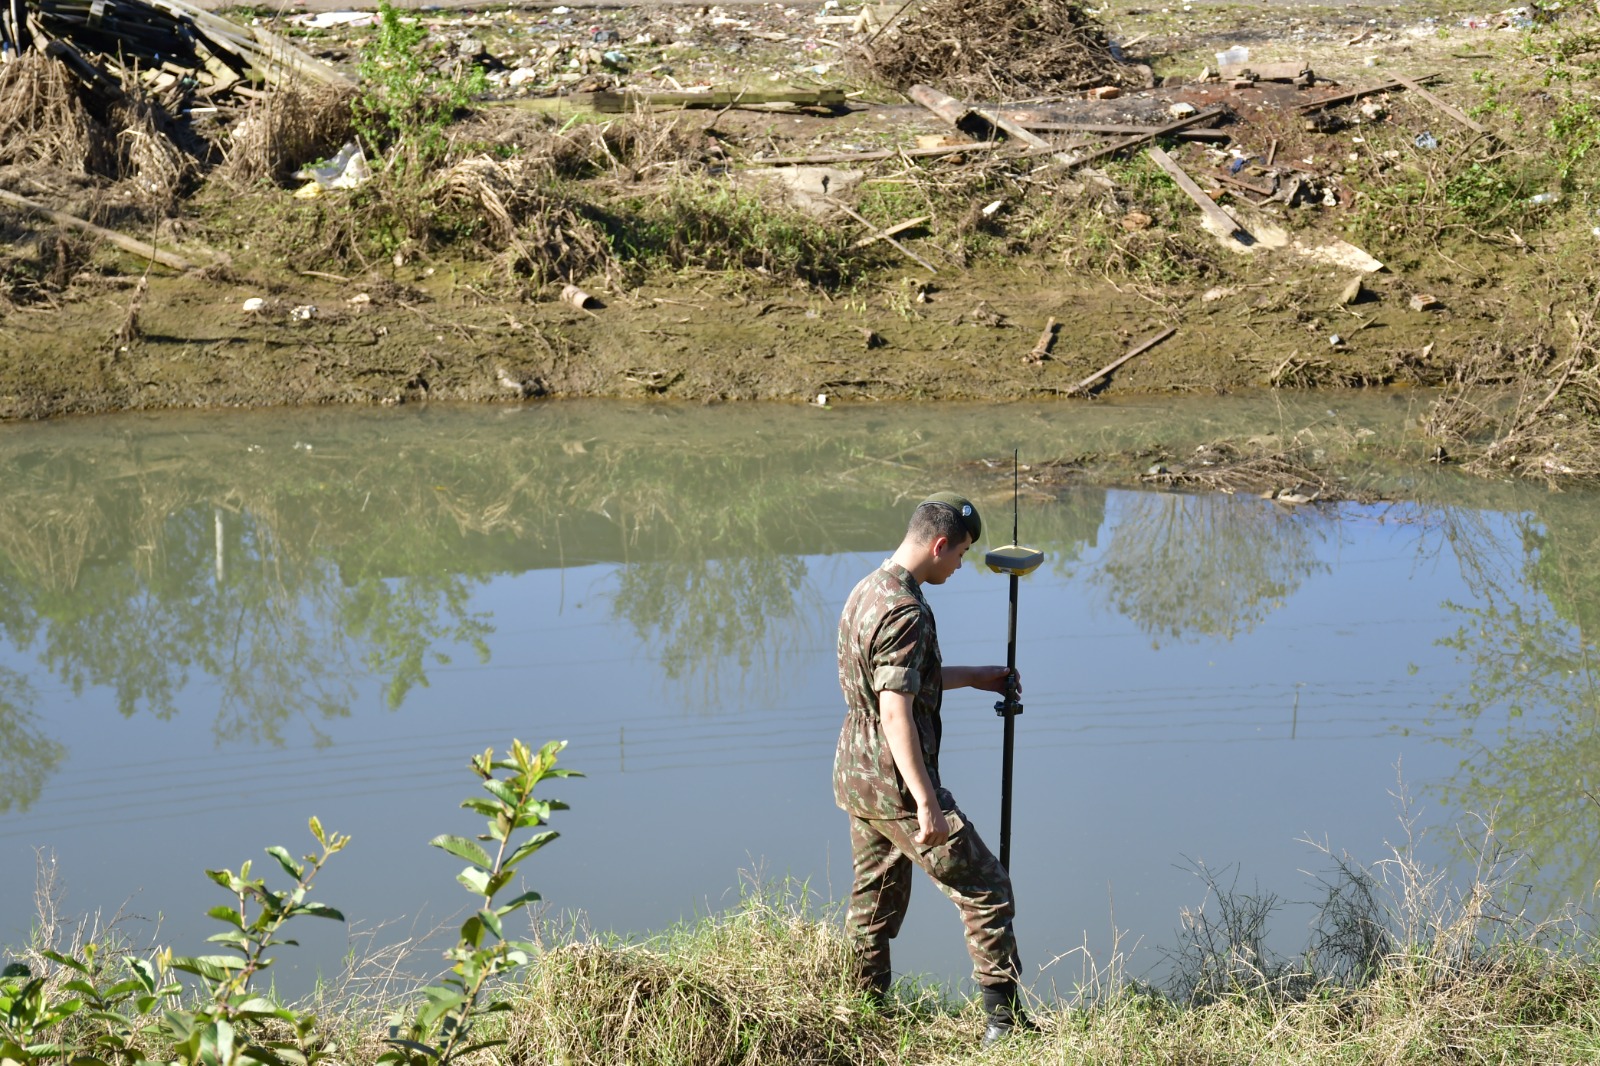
column 1119, row 718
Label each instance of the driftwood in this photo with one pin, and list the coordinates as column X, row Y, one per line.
column 1041, row 351
column 612, row 102
column 1356, row 94
column 1475, row 127
column 879, row 235
column 1224, row 224
column 1138, row 349
column 121, row 240
column 870, row 157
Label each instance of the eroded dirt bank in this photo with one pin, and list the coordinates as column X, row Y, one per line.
column 1474, row 260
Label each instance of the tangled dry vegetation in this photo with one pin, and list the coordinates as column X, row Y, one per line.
column 1529, row 408
column 998, row 49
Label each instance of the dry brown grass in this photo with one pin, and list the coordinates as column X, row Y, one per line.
column 997, row 49
column 44, row 123
column 283, row 130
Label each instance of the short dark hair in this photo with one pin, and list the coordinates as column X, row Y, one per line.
column 933, row 520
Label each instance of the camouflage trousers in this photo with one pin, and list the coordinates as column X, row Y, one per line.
column 883, row 851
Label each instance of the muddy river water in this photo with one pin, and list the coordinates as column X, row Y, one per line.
column 215, row 625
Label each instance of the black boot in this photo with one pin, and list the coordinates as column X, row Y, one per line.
column 875, row 987
column 1003, row 1014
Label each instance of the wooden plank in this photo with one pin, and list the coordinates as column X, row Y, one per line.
column 1112, row 127
column 613, row 102
column 1356, row 94
column 869, row 157
column 945, row 106
column 1150, row 135
column 1013, row 129
column 1220, row 219
column 965, row 118
column 1460, row 117
column 1138, row 349
column 121, row 240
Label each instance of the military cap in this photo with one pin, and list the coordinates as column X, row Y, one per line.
column 963, row 507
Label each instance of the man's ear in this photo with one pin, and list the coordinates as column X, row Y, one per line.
column 939, row 546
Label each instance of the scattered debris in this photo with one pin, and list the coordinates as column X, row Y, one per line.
column 1425, row 302
column 1353, row 293
column 576, row 297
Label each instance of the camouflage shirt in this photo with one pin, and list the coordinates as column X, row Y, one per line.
column 887, row 640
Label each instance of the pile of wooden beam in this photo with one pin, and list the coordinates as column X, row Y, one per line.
column 165, row 43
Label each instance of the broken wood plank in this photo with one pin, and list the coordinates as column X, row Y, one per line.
column 975, row 121
column 894, row 230
column 907, row 252
column 1222, row 223
column 1013, row 129
column 870, row 157
column 1356, row 94
column 1198, row 118
column 121, row 240
column 1138, row 349
column 945, row 106
column 1459, row 116
column 1293, row 71
column 614, row 102
column 1112, row 127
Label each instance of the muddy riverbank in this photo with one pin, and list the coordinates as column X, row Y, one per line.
column 1400, row 247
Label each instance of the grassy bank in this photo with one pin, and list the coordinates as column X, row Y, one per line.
column 768, row 983
column 1399, row 968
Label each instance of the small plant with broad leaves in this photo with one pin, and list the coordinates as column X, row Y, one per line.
column 217, row 1032
column 441, row 1028
column 91, row 1019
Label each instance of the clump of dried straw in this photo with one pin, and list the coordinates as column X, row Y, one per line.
column 42, row 120
column 286, row 129
column 988, row 49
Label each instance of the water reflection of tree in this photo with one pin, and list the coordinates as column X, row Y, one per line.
column 27, row 756
column 1529, row 716
column 1188, row 566
column 702, row 613
column 141, row 611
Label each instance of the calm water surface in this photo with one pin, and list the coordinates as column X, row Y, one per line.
column 214, row 626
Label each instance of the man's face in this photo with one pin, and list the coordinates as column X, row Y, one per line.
column 947, row 559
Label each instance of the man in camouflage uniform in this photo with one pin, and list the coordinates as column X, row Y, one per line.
column 886, row 769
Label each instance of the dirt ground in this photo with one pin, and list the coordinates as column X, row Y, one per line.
column 433, row 327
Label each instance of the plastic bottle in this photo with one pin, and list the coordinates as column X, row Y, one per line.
column 1544, row 198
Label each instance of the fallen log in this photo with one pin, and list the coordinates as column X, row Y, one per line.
column 121, row 240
